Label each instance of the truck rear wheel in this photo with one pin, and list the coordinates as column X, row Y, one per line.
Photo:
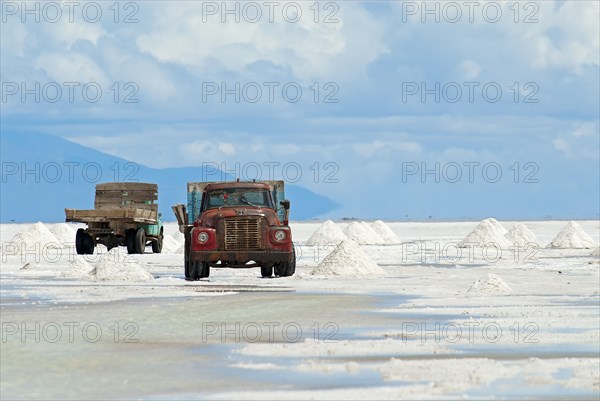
column 140, row 240
column 286, row 269
column 130, row 240
column 266, row 271
column 84, row 243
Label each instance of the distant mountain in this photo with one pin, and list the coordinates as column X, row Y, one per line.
column 43, row 174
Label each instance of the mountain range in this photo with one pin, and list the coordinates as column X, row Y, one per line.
column 43, row 174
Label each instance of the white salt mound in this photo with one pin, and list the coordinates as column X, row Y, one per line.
column 79, row 268
column 117, row 265
column 385, row 232
column 347, row 259
column 596, row 252
column 492, row 284
column 34, row 239
column 520, row 235
column 63, row 233
column 372, row 233
column 178, row 236
column 359, row 234
column 572, row 236
column 499, row 227
column 170, row 244
column 485, row 234
column 181, row 249
column 328, row 233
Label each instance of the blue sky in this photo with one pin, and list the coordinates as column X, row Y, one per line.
column 385, row 89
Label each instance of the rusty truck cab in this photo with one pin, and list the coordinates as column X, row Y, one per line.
column 238, row 226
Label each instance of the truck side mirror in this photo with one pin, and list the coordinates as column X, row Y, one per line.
column 286, row 206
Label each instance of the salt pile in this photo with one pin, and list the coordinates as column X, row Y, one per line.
column 34, row 239
column 499, row 227
column 347, row 259
column 385, row 232
column 492, row 284
column 359, row 234
column 79, row 268
column 596, row 252
column 520, row 235
column 572, row 236
column 63, row 233
column 170, row 244
column 178, row 236
column 328, row 233
column 117, row 265
column 487, row 233
column 372, row 233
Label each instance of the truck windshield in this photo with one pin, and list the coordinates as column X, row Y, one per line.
column 237, row 197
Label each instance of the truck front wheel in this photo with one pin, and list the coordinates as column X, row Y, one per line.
column 266, row 271
column 286, row 269
column 157, row 244
column 197, row 270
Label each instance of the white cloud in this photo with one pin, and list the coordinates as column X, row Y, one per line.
column 226, row 148
column 469, row 70
column 71, row 67
column 181, row 34
column 377, row 147
column 562, row 146
column 584, row 129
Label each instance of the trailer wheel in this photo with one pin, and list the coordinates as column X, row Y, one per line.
column 84, row 244
column 266, row 271
column 140, row 240
column 157, row 244
column 286, row 269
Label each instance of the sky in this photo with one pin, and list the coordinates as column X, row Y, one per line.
column 393, row 109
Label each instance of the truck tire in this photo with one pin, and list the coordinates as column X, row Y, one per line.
column 130, row 241
column 187, row 266
column 204, row 270
column 198, row 270
column 157, row 244
column 286, row 269
column 84, row 244
column 140, row 240
column 266, row 271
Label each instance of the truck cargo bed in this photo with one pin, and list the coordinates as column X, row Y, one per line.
column 132, row 215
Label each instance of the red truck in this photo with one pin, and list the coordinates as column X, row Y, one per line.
column 236, row 224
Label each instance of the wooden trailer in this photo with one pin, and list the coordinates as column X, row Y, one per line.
column 124, row 214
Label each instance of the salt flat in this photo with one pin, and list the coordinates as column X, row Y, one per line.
column 420, row 330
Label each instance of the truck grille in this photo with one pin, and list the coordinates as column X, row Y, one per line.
column 242, row 233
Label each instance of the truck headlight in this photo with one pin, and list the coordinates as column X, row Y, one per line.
column 280, row 235
column 203, row 237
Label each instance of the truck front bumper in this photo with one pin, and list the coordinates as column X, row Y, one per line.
column 241, row 256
